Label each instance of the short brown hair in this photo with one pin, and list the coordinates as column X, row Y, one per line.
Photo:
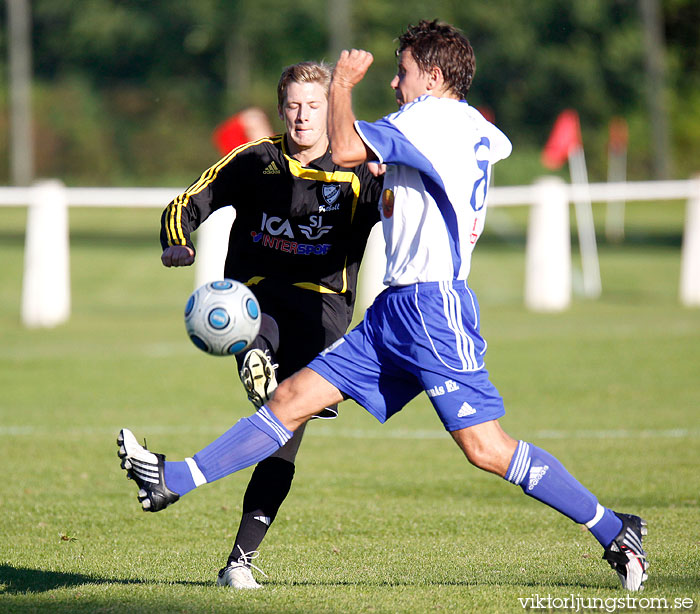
column 303, row 72
column 433, row 43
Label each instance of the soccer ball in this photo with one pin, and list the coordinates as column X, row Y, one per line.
column 222, row 317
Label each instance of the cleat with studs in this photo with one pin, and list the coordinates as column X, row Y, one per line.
column 258, row 376
column 146, row 469
column 626, row 555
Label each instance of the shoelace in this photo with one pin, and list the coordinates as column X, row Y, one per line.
column 247, row 557
column 640, row 559
column 274, row 367
column 630, row 551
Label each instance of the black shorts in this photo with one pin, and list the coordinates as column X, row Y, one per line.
column 308, row 322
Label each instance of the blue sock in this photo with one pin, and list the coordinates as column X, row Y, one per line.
column 247, row 442
column 178, row 477
column 544, row 478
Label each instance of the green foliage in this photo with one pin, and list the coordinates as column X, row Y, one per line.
column 73, row 132
column 686, row 132
column 129, row 91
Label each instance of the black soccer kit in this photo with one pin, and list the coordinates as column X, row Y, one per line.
column 297, row 239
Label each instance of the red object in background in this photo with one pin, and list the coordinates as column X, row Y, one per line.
column 247, row 125
column 230, row 134
column 565, row 136
column 618, row 135
column 487, row 113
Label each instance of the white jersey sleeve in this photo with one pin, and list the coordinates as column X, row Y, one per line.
column 439, row 154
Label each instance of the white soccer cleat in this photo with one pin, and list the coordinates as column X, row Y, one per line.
column 146, row 469
column 626, row 554
column 238, row 574
column 258, row 376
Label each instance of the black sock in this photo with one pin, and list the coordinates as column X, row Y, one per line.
column 267, row 489
column 269, row 336
column 267, row 339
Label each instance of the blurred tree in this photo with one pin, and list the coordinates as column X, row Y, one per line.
column 20, row 61
column 655, row 79
column 131, row 89
column 682, row 33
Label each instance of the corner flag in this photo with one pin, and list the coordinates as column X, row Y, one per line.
column 565, row 137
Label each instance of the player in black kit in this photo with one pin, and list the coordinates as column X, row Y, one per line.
column 300, row 230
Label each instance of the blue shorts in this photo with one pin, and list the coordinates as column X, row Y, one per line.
column 423, row 337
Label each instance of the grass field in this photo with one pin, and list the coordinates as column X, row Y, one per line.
column 381, row 518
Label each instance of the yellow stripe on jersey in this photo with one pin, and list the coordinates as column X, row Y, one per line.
column 302, row 172
column 307, row 285
column 313, row 174
column 173, row 225
column 253, row 280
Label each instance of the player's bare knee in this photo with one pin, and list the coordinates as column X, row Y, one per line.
column 291, row 402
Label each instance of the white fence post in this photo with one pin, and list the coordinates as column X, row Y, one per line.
column 212, row 246
column 690, row 252
column 548, row 250
column 370, row 280
column 46, row 285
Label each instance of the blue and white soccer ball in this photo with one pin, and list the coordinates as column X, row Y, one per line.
column 222, row 317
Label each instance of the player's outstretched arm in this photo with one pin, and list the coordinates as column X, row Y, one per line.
column 347, row 147
column 177, row 255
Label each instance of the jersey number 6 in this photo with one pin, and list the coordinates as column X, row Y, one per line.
column 482, row 183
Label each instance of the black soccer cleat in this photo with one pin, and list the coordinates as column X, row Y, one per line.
column 146, row 469
column 626, row 555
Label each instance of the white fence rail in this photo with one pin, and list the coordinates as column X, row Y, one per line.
column 46, row 282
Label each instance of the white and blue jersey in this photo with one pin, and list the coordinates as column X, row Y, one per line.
column 438, row 153
column 422, row 332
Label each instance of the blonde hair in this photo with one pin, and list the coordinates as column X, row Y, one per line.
column 303, row 72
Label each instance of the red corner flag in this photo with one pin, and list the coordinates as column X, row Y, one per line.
column 565, row 136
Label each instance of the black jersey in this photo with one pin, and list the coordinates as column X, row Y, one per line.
column 300, row 225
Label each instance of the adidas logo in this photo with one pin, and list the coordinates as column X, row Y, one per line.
column 264, row 519
column 271, row 169
column 465, row 410
column 536, row 474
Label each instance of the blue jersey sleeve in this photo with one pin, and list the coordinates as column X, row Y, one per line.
column 391, row 145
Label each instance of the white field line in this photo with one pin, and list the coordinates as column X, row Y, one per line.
column 331, row 430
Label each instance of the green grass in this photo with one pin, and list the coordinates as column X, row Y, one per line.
column 381, row 518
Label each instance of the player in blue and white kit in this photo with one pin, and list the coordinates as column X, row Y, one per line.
column 422, row 332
